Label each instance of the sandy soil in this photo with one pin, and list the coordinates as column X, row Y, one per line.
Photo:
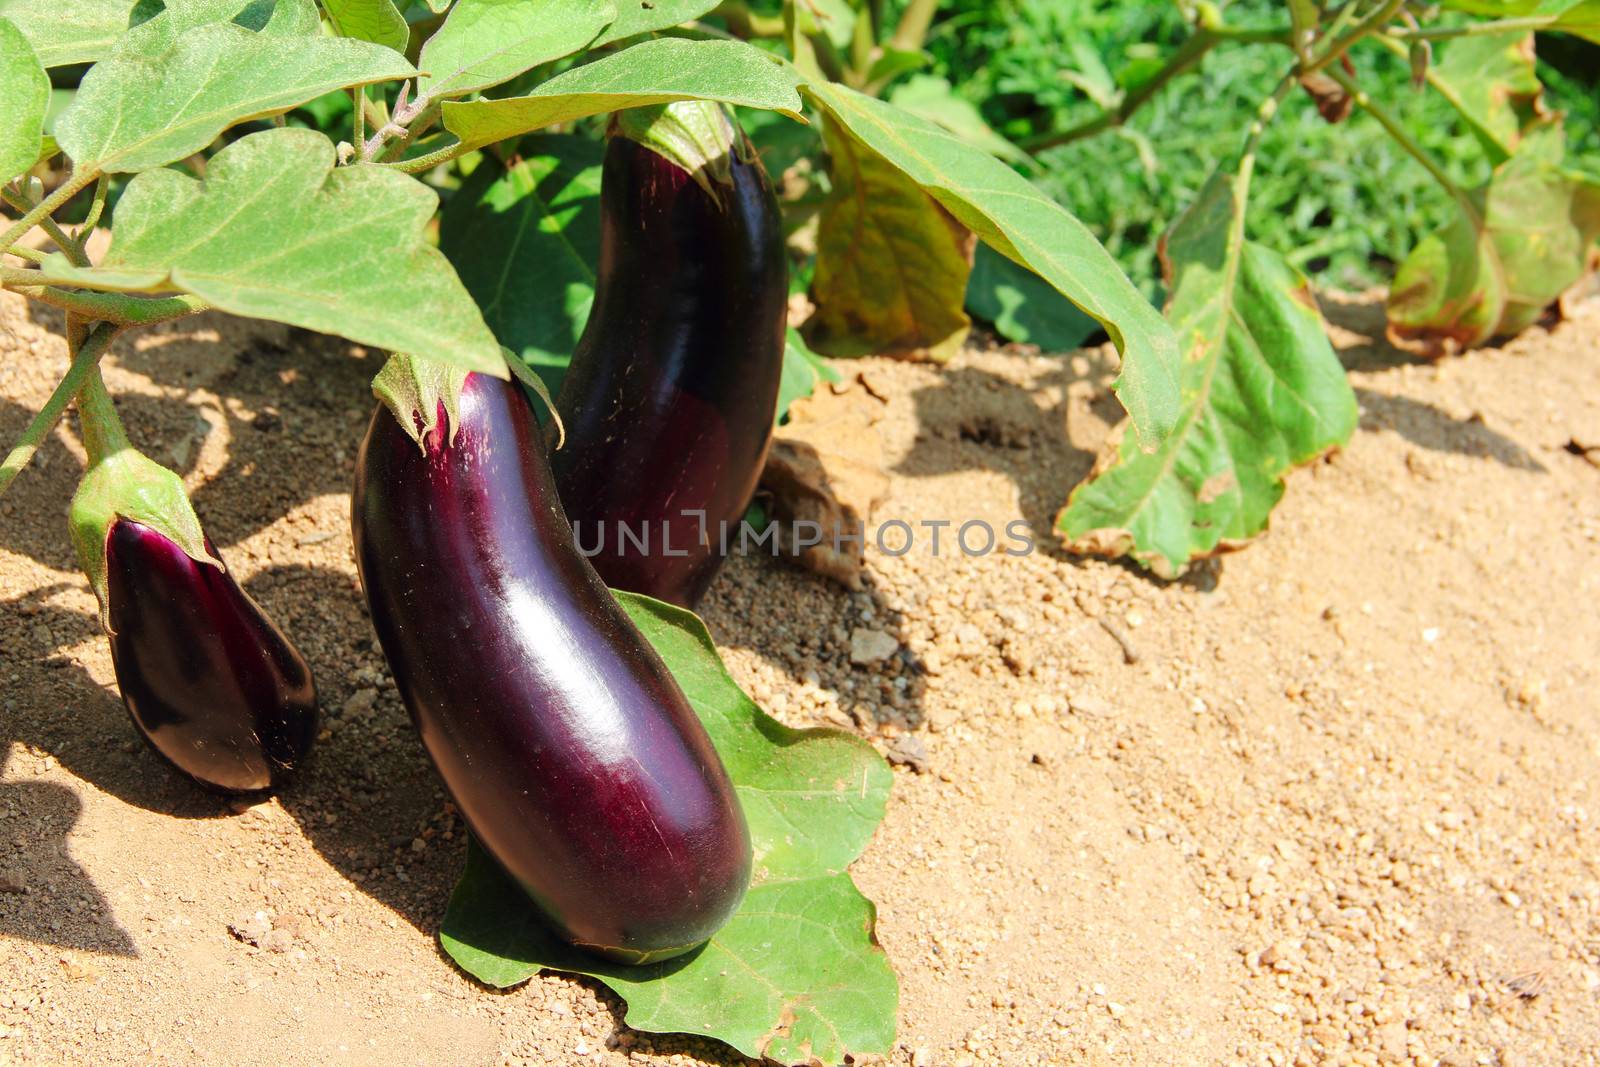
column 1330, row 804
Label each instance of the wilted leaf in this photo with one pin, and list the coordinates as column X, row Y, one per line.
column 77, row 32
column 935, row 99
column 140, row 109
column 1262, row 393
column 651, row 72
column 378, row 21
column 796, row 975
column 646, row 16
column 525, row 240
column 1579, row 17
column 486, row 42
column 1023, row 224
column 1024, row 307
column 24, row 96
column 275, row 232
column 891, row 264
column 1504, row 258
column 1490, row 80
column 802, row 370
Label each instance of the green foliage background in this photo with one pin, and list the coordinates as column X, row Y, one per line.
column 1342, row 203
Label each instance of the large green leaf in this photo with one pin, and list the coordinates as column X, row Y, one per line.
column 891, row 264
column 275, row 18
column 1504, row 257
column 1579, row 17
column 24, row 97
column 79, row 31
column 378, row 21
column 651, row 72
column 1491, row 82
column 147, row 106
column 525, row 240
column 1263, row 392
column 275, row 232
column 1024, row 307
column 486, row 42
column 934, row 98
column 796, row 975
column 1023, row 224
column 646, row 16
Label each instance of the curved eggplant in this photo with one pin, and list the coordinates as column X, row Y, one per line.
column 670, row 399
column 210, row 682
column 573, row 755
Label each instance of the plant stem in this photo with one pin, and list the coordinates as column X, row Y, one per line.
column 57, row 235
column 416, row 128
column 1392, row 126
column 913, row 27
column 119, row 309
column 102, row 430
column 1364, row 28
column 421, row 164
column 32, row 255
column 1474, row 29
column 358, row 117
column 46, row 207
column 84, row 360
column 97, row 207
column 746, row 23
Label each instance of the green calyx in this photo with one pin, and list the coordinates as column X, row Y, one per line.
column 413, row 387
column 126, row 484
column 697, row 135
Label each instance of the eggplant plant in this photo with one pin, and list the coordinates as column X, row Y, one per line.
column 499, row 189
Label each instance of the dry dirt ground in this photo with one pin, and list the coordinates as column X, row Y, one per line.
column 1335, row 803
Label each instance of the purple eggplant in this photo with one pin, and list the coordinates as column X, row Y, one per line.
column 211, row 683
column 670, row 398
column 573, row 755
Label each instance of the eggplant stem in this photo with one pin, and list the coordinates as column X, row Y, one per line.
column 519, row 371
column 86, row 359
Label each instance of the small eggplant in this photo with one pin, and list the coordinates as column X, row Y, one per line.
column 670, row 399
column 573, row 755
column 211, row 683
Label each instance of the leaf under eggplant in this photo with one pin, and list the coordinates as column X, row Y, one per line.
column 796, row 975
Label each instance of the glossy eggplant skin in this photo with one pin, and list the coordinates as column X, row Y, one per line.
column 211, row 683
column 573, row 755
column 670, row 398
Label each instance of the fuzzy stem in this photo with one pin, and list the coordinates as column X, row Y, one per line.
column 1366, row 27
column 120, row 309
column 912, row 29
column 1473, row 29
column 421, row 164
column 46, row 207
column 103, row 434
column 84, row 360
column 97, row 208
column 57, row 235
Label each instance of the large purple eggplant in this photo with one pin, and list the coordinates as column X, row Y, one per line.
column 670, row 398
column 211, row 683
column 573, row 755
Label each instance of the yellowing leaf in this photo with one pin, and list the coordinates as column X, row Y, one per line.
column 891, row 265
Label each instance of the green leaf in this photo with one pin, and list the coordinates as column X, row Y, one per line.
column 24, row 97
column 1023, row 224
column 1504, row 258
column 140, row 109
column 933, row 98
column 891, row 264
column 1578, row 17
column 1490, row 80
column 486, row 42
column 275, row 232
column 796, row 975
column 378, row 21
column 802, row 370
column 646, row 16
column 79, row 31
column 275, row 18
column 652, row 72
column 525, row 240
column 1263, row 392
column 1023, row 306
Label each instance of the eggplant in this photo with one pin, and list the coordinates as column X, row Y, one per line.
column 670, row 399
column 211, row 683
column 572, row 754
